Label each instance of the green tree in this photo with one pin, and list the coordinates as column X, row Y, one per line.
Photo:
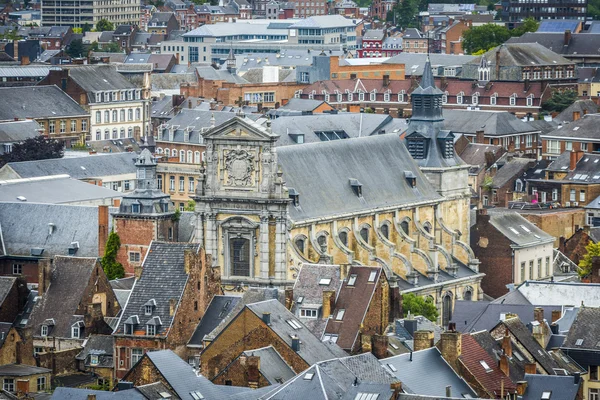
column 111, row 47
column 528, row 25
column 190, row 206
column 417, row 305
column 559, row 100
column 585, row 264
column 104, row 25
column 36, row 148
column 484, row 37
column 86, row 28
column 112, row 268
column 76, row 48
column 405, row 13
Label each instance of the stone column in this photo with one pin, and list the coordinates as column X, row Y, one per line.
column 263, row 247
column 211, row 240
column 280, row 249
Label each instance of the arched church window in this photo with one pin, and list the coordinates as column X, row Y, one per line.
column 405, row 228
column 385, row 231
column 239, row 249
column 300, row 244
column 446, row 310
column 343, row 237
column 364, row 234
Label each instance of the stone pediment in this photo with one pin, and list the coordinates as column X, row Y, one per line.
column 241, row 129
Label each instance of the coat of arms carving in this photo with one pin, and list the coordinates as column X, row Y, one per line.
column 239, row 165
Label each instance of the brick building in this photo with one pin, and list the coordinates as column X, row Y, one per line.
column 176, row 285
column 511, row 250
column 372, row 44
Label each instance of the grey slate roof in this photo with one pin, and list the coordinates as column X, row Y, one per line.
column 6, row 284
column 211, row 74
column 69, row 393
column 99, row 77
column 561, row 387
column 183, row 379
column 582, row 106
column 373, row 34
column 21, row 370
column 585, row 127
column 163, row 278
column 312, row 350
column 415, row 63
column 584, row 328
column 519, row 230
column 334, row 379
column 18, row 131
column 423, row 324
column 154, row 390
column 352, row 124
column 57, row 189
column 219, row 308
column 302, row 104
column 68, row 281
column 333, row 164
column 509, row 169
column 272, row 366
column 308, row 288
column 427, row 373
column 37, row 102
column 522, row 54
column 494, row 123
column 101, row 346
column 25, row 226
column 581, row 44
column 78, row 168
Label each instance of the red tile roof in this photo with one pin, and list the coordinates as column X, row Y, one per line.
column 472, row 356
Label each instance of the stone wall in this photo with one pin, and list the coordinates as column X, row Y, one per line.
column 60, row 362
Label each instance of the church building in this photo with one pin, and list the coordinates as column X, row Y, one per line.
column 397, row 201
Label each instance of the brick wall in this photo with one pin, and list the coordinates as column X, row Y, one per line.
column 561, row 223
column 60, row 362
column 135, row 235
column 237, row 375
column 145, row 373
column 29, row 269
column 495, row 254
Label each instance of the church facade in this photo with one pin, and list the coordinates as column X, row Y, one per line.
column 398, row 201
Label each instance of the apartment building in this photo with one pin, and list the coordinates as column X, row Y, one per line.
column 77, row 13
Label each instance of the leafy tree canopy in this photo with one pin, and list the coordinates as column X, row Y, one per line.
column 112, row 268
column 479, row 39
column 559, row 100
column 111, row 47
column 417, row 305
column 585, row 264
column 104, row 25
column 76, row 48
column 36, row 148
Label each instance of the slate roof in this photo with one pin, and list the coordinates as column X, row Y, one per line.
column 516, row 367
column 523, row 335
column 509, row 170
column 25, row 226
column 161, row 18
column 522, row 54
column 580, row 45
column 560, row 293
column 96, row 166
column 37, row 102
column 69, row 393
column 355, row 301
column 427, row 374
column 6, row 284
column 57, row 189
column 582, row 106
column 334, row 163
column 21, row 370
column 334, row 379
column 558, row 25
column 68, row 281
column 312, row 350
column 584, row 128
column 373, row 34
column 101, row 346
column 519, row 230
column 475, row 153
column 415, row 63
column 494, row 123
column 471, row 356
column 94, row 78
column 182, row 377
column 210, row 74
column 154, row 390
column 561, row 387
column 163, row 278
column 423, row 324
column 474, row 316
column 307, row 283
column 219, row 308
column 273, row 368
column 352, row 125
column 18, row 131
column 302, row 104
column 585, row 328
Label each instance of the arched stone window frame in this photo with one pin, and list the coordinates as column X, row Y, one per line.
column 304, row 240
column 238, row 227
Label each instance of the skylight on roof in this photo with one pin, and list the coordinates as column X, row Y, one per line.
column 372, row 276
column 308, row 376
column 485, row 366
column 392, row 368
column 579, row 342
column 526, row 229
column 340, row 315
column 352, row 280
column 325, row 281
column 300, row 299
column 366, row 396
column 516, row 232
column 196, row 395
column 294, row 324
column 546, row 395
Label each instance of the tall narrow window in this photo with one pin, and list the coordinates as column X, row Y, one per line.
column 239, row 249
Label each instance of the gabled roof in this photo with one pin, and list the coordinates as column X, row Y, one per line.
column 220, row 307
column 68, row 280
column 516, row 366
column 519, row 230
column 94, row 78
column 473, row 357
column 509, row 170
column 335, row 379
column 585, row 330
column 273, row 368
column 210, row 74
column 18, row 131
column 525, row 339
column 560, row 387
column 96, row 166
column 583, row 128
column 100, row 346
column 6, row 285
column 25, row 226
column 523, row 55
column 475, row 153
column 163, row 278
column 427, row 374
column 353, row 302
column 333, row 163
column 493, row 123
column 308, row 289
column 583, row 107
column 580, row 44
column 312, row 349
column 37, row 102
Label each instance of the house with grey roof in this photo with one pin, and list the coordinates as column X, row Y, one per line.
column 16, row 132
column 114, row 171
column 512, row 250
column 20, row 377
column 175, row 287
column 352, row 377
column 97, row 358
column 74, row 298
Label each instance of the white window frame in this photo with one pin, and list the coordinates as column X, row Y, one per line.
column 44, row 331
column 75, row 332
column 17, row 269
column 311, row 313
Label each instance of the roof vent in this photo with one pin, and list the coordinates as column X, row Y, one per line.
column 296, row 344
column 356, row 187
column 51, row 227
column 410, row 178
column 295, row 196
column 21, row 198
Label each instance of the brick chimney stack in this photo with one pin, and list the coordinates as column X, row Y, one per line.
column 380, row 346
column 328, row 302
column 451, row 345
column 44, row 273
column 422, row 340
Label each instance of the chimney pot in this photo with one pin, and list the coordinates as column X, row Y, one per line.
column 266, row 317
column 521, row 387
column 556, row 315
column 328, row 303
column 296, row 344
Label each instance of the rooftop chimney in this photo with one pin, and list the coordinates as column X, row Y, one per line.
column 449, row 391
column 296, row 344
column 422, row 340
column 172, row 306
column 576, row 115
column 530, row 368
column 289, row 298
column 451, row 347
column 328, row 302
column 102, row 229
column 567, row 38
column 521, row 387
column 266, row 318
column 43, row 275
column 556, row 315
column 380, row 346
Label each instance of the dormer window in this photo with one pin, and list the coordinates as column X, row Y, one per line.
column 410, row 178
column 295, row 196
column 130, row 324
column 417, row 146
column 129, row 329
column 356, row 187
column 151, row 326
column 76, row 330
column 150, row 330
column 44, row 331
column 135, row 208
column 94, row 359
column 149, row 307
